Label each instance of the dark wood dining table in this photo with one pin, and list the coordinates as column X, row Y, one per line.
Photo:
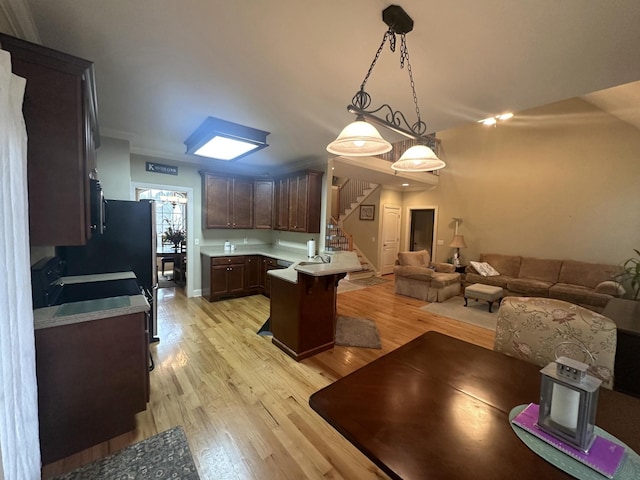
column 438, row 408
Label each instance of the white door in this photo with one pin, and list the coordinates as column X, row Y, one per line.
column 390, row 237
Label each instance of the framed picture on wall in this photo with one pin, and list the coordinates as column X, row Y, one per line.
column 367, row 212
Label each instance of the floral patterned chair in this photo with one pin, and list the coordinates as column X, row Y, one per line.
column 539, row 330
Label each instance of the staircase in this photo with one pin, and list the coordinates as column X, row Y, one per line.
column 352, row 194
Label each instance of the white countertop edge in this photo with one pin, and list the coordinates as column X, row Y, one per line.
column 45, row 317
column 264, row 250
column 342, row 262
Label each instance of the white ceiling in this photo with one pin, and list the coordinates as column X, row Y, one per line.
column 291, row 66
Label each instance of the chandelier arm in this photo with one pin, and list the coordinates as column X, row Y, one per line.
column 394, row 124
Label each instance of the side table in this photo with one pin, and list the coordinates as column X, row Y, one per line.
column 626, row 315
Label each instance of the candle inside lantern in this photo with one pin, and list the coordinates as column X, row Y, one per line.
column 565, row 406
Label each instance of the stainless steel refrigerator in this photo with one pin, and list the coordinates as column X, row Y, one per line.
column 127, row 244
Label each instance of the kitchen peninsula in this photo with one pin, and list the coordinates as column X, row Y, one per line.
column 303, row 304
column 302, row 290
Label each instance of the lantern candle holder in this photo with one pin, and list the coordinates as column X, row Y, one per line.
column 568, row 402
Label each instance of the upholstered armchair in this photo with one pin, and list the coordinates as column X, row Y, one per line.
column 416, row 276
column 539, row 330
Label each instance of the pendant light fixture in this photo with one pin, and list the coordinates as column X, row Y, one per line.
column 360, row 138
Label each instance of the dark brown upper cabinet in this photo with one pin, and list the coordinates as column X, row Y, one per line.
column 263, row 204
column 60, row 112
column 227, row 201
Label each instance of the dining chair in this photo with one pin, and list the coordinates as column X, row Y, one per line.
column 539, row 330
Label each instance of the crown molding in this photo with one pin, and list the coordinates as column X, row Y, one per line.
column 16, row 14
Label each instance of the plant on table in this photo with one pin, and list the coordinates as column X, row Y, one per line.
column 631, row 272
column 174, row 234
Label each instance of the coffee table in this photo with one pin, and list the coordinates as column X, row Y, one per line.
column 438, row 407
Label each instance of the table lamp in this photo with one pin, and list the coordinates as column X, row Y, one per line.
column 457, row 243
column 568, row 402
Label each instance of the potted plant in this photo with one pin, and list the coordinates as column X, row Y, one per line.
column 173, row 234
column 631, row 273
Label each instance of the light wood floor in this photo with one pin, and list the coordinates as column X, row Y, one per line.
column 244, row 403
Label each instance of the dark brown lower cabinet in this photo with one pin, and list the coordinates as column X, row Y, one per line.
column 236, row 276
column 227, row 277
column 92, row 379
column 303, row 314
column 253, row 271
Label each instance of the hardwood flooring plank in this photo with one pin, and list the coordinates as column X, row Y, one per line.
column 244, row 403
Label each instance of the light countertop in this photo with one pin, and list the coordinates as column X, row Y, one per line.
column 341, row 262
column 264, row 250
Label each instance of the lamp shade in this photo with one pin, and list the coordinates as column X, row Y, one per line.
column 418, row 158
column 359, row 139
column 458, row 242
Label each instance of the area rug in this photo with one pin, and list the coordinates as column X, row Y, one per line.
column 357, row 332
column 350, row 332
column 346, row 286
column 162, row 283
column 477, row 313
column 370, row 281
column 265, row 329
column 161, row 457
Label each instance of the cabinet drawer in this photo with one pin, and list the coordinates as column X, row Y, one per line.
column 271, row 262
column 227, row 260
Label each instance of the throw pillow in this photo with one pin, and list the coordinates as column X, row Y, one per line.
column 484, row 269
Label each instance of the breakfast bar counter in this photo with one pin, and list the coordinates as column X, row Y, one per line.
column 303, row 304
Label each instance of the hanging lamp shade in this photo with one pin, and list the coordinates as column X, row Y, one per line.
column 418, row 158
column 359, row 139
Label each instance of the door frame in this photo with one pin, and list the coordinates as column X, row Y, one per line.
column 407, row 228
column 381, row 230
column 191, row 254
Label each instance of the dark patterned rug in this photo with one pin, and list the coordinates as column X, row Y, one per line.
column 370, row 281
column 164, row 456
column 357, row 332
column 350, row 332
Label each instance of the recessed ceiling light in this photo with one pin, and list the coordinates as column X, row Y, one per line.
column 493, row 120
column 405, row 184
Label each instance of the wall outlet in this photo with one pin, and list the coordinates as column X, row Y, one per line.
column 440, row 242
column 373, row 239
column 196, row 241
column 246, row 240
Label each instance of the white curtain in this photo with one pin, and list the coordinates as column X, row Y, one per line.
column 19, row 443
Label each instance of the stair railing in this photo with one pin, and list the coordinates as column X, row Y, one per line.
column 350, row 191
column 337, row 238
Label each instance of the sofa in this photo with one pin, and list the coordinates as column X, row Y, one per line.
column 589, row 285
column 416, row 276
column 539, row 330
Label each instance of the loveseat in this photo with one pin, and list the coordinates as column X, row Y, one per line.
column 590, row 285
column 416, row 276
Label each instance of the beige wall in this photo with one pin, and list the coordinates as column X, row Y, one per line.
column 113, row 168
column 554, row 182
column 364, row 231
